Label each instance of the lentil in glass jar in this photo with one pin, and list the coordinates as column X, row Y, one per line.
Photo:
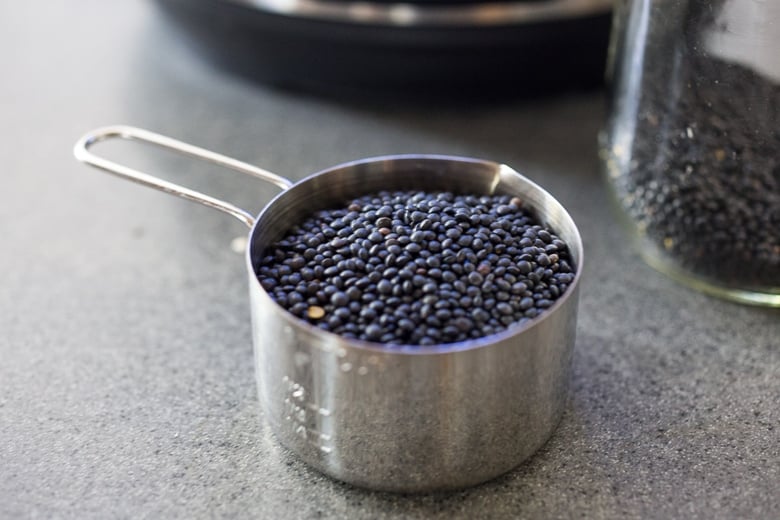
column 692, row 144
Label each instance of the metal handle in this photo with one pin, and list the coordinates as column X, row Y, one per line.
column 82, row 153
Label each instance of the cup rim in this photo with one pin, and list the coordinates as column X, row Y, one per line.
column 442, row 348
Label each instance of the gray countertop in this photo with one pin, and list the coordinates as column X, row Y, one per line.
column 126, row 384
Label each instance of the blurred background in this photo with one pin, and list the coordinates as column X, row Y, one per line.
column 424, row 49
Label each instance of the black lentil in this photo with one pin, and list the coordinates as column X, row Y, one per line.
column 417, row 268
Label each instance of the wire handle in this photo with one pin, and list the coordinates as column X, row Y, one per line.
column 82, row 153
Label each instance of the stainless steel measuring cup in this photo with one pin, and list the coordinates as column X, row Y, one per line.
column 408, row 419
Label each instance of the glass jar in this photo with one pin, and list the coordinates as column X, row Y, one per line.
column 692, row 143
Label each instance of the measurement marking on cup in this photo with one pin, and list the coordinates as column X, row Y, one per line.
column 314, row 438
column 311, row 432
column 302, row 413
column 314, row 408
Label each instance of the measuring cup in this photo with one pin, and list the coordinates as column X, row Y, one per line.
column 404, row 419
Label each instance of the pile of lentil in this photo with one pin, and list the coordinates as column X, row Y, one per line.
column 703, row 182
column 418, row 268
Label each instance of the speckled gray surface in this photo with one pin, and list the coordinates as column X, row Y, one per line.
column 126, row 385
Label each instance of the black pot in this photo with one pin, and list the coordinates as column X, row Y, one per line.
column 429, row 46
